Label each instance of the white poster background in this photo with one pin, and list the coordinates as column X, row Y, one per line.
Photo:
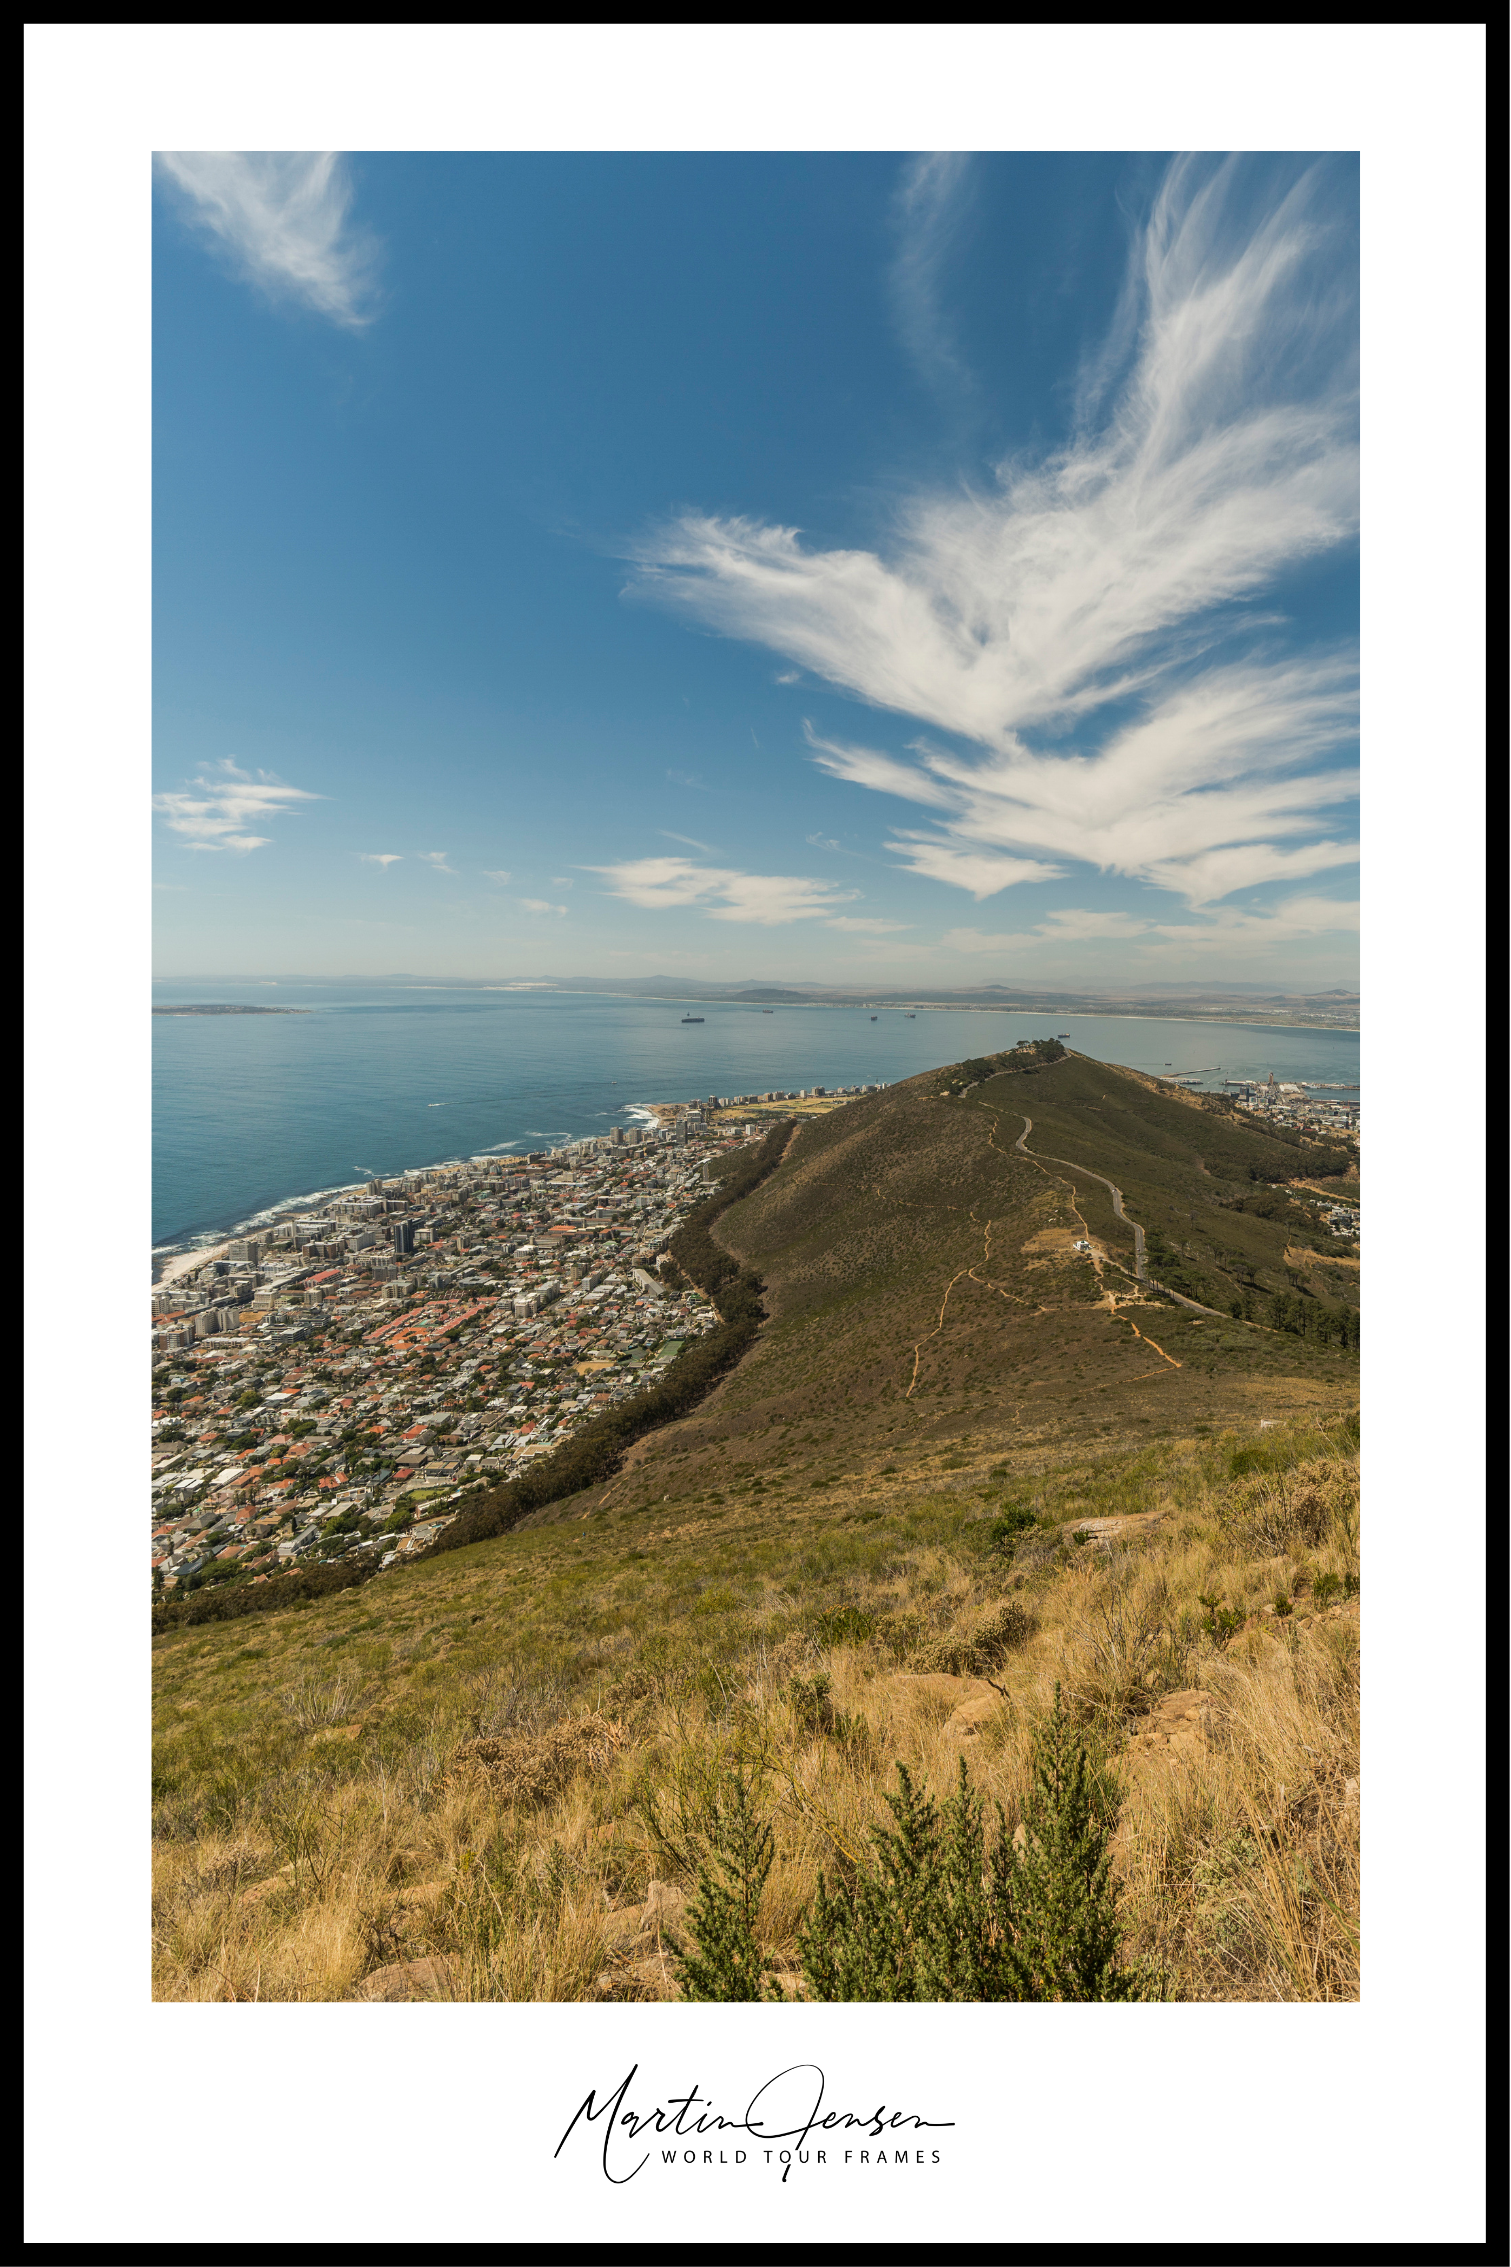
column 1186, row 2124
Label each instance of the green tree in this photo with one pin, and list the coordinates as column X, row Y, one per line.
column 729, row 1964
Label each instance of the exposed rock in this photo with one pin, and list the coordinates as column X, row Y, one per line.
column 259, row 1891
column 434, row 1978
column 660, row 1916
column 651, row 1977
column 972, row 1716
column 421, row 1898
column 624, row 1925
column 1180, row 1720
column 664, row 1906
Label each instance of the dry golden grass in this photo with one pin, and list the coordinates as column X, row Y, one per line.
column 507, row 1754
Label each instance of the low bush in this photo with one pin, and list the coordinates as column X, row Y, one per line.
column 971, row 1653
column 941, row 1912
column 1275, row 1512
column 1014, row 1520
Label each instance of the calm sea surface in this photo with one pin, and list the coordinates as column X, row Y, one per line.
column 251, row 1112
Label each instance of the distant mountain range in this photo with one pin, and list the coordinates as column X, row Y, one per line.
column 1217, row 1000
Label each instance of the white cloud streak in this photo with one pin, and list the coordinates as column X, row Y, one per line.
column 1089, row 600
column 282, row 216
column 542, row 905
column 924, row 213
column 1292, row 920
column 496, row 876
column 722, row 892
column 436, row 859
column 215, row 810
column 384, row 858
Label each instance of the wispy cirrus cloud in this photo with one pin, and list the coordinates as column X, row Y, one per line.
column 215, row 809
column 384, row 858
column 437, row 860
column 723, row 892
column 925, row 210
column 496, row 875
column 1191, row 796
column 1084, row 623
column 542, row 905
column 283, row 217
column 688, row 841
column 1289, row 922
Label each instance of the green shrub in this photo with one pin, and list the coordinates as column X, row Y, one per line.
column 1014, row 1520
column 943, row 1915
column 729, row 1964
column 812, row 1701
column 845, row 1625
column 1222, row 1621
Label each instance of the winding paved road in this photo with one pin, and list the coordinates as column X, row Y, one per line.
column 1140, row 1267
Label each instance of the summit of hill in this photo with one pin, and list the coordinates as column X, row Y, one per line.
column 1039, row 1377
column 945, row 1263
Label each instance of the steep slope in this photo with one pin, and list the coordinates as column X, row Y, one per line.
column 964, row 1464
column 932, row 1285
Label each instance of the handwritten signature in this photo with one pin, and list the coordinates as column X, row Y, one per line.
column 789, row 2107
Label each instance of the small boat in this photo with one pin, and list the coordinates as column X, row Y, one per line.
column 873, row 1019
column 692, row 1019
column 910, row 1017
column 768, row 1011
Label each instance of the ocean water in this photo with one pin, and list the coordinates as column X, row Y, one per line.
column 253, row 1112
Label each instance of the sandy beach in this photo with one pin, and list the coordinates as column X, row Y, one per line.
column 184, row 1263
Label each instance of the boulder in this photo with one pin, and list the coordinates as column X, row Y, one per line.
column 411, row 1980
column 1181, row 1720
column 259, row 1891
column 635, row 1925
column 972, row 1716
column 664, row 1906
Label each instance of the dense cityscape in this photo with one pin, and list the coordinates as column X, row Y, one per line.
column 342, row 1380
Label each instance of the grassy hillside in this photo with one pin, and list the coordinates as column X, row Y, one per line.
column 925, row 1293
column 962, row 1463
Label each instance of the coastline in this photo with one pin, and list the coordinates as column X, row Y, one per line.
column 184, row 1263
column 176, row 1254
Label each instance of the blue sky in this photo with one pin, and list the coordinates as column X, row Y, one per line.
column 843, row 568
